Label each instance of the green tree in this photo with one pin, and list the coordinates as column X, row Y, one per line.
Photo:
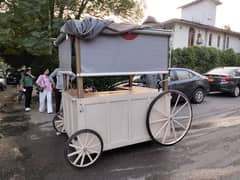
column 24, row 27
column 28, row 25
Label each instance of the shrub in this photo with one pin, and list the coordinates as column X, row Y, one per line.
column 202, row 59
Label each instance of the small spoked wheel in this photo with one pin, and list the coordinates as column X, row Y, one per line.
column 83, row 148
column 169, row 117
column 58, row 123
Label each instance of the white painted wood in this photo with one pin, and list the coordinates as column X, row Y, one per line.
column 119, row 117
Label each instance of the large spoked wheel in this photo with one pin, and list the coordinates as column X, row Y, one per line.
column 83, row 148
column 58, row 123
column 169, row 117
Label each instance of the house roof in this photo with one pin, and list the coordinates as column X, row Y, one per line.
column 151, row 21
column 217, row 2
column 170, row 22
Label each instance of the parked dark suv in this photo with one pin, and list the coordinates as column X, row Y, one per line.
column 225, row 79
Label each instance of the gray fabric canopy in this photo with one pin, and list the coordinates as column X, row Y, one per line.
column 146, row 52
column 90, row 28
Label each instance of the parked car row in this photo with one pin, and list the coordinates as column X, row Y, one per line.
column 225, row 79
column 194, row 85
column 10, row 76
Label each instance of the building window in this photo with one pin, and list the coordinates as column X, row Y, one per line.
column 227, row 44
column 191, row 37
column 218, row 41
column 210, row 40
column 199, row 39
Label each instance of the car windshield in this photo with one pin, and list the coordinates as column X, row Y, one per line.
column 221, row 71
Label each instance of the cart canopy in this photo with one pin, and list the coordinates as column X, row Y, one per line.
column 108, row 48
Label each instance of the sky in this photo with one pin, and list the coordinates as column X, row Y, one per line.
column 227, row 14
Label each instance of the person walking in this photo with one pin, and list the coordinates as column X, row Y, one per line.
column 45, row 91
column 26, row 82
column 59, row 85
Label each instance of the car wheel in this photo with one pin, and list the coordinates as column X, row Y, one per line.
column 198, row 96
column 236, row 91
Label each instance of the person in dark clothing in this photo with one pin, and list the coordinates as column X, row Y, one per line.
column 27, row 82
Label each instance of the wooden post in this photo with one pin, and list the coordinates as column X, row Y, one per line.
column 130, row 82
column 165, row 82
column 80, row 91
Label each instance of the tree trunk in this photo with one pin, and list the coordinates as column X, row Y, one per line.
column 81, row 8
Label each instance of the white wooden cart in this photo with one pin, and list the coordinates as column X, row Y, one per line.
column 101, row 121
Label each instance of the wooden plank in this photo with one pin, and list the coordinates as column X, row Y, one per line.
column 165, row 82
column 130, row 82
column 80, row 91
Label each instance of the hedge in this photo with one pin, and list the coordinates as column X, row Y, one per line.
column 202, row 59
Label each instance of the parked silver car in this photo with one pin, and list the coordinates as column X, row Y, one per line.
column 3, row 81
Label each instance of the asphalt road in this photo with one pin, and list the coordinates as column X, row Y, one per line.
column 30, row 150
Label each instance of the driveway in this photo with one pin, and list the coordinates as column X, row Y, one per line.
column 30, row 149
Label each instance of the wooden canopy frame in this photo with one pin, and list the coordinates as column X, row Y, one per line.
column 80, row 89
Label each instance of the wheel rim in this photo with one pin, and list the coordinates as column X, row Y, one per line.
column 58, row 123
column 236, row 91
column 199, row 96
column 169, row 117
column 84, row 148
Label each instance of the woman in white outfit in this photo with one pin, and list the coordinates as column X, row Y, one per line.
column 44, row 82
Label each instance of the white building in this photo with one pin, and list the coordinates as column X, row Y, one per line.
column 196, row 27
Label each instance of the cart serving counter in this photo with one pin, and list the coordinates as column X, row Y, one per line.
column 100, row 121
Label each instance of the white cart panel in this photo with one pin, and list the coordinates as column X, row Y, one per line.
column 119, row 117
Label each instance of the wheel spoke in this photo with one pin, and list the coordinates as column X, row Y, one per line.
column 77, row 159
column 160, row 130
column 89, row 156
column 86, row 140
column 83, row 158
column 158, row 120
column 92, row 150
column 90, row 141
column 160, row 112
column 78, row 141
column 94, row 145
column 59, row 125
column 180, row 124
column 62, row 130
column 58, row 121
column 181, row 117
column 59, row 117
column 180, row 108
column 174, row 130
column 165, row 133
column 74, row 153
column 74, row 146
column 175, row 105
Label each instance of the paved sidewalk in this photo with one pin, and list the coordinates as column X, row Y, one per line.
column 20, row 134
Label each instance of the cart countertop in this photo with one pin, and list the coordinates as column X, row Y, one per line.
column 123, row 91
